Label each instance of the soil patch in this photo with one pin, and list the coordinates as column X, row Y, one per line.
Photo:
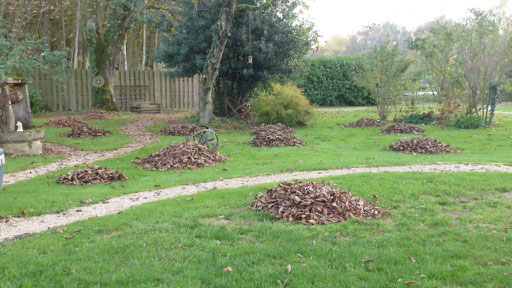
column 366, row 122
column 92, row 175
column 179, row 130
column 421, row 145
column 184, row 155
column 403, row 128
column 311, row 203
column 277, row 135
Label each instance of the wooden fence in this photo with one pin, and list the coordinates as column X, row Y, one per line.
column 129, row 86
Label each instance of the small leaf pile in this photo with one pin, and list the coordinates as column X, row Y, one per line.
column 421, row 145
column 92, row 175
column 179, row 130
column 86, row 131
column 366, row 122
column 62, row 122
column 277, row 135
column 184, row 155
column 96, row 114
column 403, row 128
column 312, row 203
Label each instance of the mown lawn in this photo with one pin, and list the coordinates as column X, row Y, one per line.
column 328, row 145
column 113, row 141
column 443, row 230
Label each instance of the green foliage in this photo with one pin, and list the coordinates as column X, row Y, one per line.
column 331, row 81
column 469, row 122
column 36, row 101
column 22, row 57
column 420, row 118
column 384, row 75
column 283, row 104
column 278, row 32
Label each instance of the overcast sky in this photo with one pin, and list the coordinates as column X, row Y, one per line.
column 345, row 17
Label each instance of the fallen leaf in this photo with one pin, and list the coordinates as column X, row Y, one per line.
column 367, row 260
column 61, row 230
column 228, row 269
column 423, row 276
column 409, row 283
column 503, row 261
column 412, row 259
column 299, row 256
column 490, row 264
column 289, row 269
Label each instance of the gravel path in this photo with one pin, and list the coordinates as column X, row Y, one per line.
column 17, row 227
column 141, row 138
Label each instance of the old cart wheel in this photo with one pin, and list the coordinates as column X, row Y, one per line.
column 206, row 136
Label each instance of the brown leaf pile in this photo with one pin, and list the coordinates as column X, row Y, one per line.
column 313, row 203
column 403, row 128
column 181, row 155
column 366, row 122
column 92, row 175
column 421, row 145
column 62, row 122
column 179, row 130
column 86, row 131
column 277, row 135
column 96, row 114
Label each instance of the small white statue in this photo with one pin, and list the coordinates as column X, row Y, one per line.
column 19, row 126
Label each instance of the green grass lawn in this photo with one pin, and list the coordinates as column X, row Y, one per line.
column 116, row 140
column 448, row 227
column 504, row 108
column 328, row 145
column 15, row 164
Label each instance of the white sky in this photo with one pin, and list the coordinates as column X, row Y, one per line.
column 345, row 17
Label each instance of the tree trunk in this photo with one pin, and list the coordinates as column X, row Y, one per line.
column 77, row 35
column 211, row 69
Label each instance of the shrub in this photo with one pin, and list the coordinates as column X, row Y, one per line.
column 283, row 104
column 417, row 118
column 469, row 122
column 331, row 81
column 37, row 106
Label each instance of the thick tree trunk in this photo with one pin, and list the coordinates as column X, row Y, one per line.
column 211, row 69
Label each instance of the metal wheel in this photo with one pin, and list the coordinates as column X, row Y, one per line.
column 206, row 136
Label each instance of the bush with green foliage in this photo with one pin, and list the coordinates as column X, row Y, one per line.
column 331, row 81
column 420, row 118
column 469, row 122
column 37, row 106
column 283, row 104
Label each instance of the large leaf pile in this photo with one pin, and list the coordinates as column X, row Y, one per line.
column 96, row 114
column 277, row 135
column 62, row 122
column 421, row 145
column 179, row 130
column 366, row 122
column 86, row 131
column 92, row 175
column 403, row 128
column 312, row 203
column 184, row 155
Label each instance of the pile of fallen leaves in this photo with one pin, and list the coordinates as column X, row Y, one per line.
column 96, row 114
column 92, row 175
column 181, row 155
column 313, row 203
column 421, row 145
column 403, row 128
column 86, row 131
column 366, row 122
column 277, row 135
column 179, row 130
column 62, row 122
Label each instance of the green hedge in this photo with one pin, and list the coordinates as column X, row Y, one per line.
column 330, row 81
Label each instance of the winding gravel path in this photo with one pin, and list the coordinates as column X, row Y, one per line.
column 141, row 138
column 17, row 227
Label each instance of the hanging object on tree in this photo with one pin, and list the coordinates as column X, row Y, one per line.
column 98, row 81
column 249, row 59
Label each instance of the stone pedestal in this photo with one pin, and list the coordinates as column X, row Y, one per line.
column 22, row 143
